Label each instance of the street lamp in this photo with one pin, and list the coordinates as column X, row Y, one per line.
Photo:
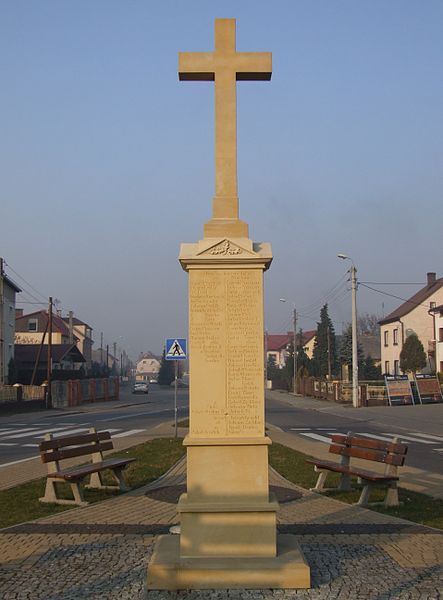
column 353, row 270
column 295, row 348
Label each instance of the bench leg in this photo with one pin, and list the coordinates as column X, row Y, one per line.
column 364, row 496
column 392, row 495
column 345, row 482
column 51, row 494
column 319, row 486
column 118, row 474
column 96, row 482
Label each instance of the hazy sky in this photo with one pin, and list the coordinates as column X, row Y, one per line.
column 106, row 159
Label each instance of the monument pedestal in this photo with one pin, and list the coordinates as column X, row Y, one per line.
column 228, row 533
column 168, row 570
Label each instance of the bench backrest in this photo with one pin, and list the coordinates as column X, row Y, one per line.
column 390, row 453
column 55, row 449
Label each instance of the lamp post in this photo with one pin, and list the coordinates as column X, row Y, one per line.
column 295, row 347
column 353, row 271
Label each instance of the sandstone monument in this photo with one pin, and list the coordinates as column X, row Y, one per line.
column 228, row 532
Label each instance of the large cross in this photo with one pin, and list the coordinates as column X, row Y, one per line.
column 225, row 66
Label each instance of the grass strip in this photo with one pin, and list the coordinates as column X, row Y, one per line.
column 20, row 503
column 414, row 506
column 155, row 457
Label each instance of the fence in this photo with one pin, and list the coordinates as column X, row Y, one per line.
column 64, row 393
column 370, row 393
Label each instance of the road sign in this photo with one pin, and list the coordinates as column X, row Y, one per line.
column 176, row 349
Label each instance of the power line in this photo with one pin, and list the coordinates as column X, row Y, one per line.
column 27, row 283
column 391, row 283
column 394, row 296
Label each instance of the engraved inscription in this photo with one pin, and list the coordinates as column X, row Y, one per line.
column 226, row 350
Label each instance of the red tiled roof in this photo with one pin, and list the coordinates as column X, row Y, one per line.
column 76, row 321
column 414, row 301
column 57, row 322
column 278, row 341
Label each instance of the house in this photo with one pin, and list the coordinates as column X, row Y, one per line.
column 413, row 316
column 437, row 315
column 277, row 346
column 66, row 359
column 30, row 328
column 148, row 366
column 83, row 332
column 8, row 290
column 99, row 356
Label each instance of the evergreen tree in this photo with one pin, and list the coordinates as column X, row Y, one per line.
column 371, row 371
column 272, row 370
column 346, row 353
column 412, row 356
column 321, row 357
column 12, row 372
column 166, row 374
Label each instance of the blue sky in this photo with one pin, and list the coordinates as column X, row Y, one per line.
column 106, row 159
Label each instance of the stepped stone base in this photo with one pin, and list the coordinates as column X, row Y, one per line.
column 167, row 571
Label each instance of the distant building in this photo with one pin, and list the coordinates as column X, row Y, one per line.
column 148, row 366
column 8, row 290
column 437, row 314
column 65, row 357
column 413, row 316
column 30, row 328
column 277, row 345
column 99, row 356
column 83, row 332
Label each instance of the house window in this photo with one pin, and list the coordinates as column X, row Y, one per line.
column 386, row 337
column 396, row 367
column 395, row 337
column 440, row 334
column 32, row 325
column 387, row 367
column 432, row 304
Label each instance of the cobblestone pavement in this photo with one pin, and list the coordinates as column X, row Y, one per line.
column 102, row 551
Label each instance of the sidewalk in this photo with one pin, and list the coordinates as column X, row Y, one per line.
column 102, row 551
column 412, row 478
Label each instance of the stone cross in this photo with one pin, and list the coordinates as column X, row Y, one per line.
column 225, row 66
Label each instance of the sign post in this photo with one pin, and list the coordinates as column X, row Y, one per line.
column 176, row 349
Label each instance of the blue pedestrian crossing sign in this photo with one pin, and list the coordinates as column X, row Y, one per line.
column 176, row 349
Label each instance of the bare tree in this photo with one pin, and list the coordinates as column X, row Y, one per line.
column 368, row 324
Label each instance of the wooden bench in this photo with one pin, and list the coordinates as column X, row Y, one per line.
column 392, row 454
column 55, row 449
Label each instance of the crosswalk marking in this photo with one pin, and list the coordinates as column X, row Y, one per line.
column 126, row 433
column 412, row 439
column 31, row 433
column 316, row 436
column 430, row 437
column 11, row 444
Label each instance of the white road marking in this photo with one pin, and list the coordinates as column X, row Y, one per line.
column 438, row 449
column 7, row 429
column 30, row 445
column 331, row 429
column 15, row 462
column 429, row 436
column 127, row 416
column 126, row 433
column 300, row 428
column 10, row 444
column 411, row 439
column 11, row 431
column 32, row 433
column 315, row 436
column 376, row 437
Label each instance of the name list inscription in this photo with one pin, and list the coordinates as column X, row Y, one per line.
column 226, row 350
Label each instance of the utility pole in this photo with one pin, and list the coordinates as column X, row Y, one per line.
column 329, row 354
column 355, row 399
column 107, row 355
column 101, row 348
column 295, row 351
column 115, row 356
column 2, row 326
column 49, row 372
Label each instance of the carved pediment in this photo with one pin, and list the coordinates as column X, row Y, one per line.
column 226, row 248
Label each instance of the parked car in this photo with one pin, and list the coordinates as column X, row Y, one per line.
column 140, row 387
column 153, row 381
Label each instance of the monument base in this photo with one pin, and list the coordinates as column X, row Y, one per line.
column 167, row 571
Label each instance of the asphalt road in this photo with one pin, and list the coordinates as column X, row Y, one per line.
column 420, row 427
column 134, row 413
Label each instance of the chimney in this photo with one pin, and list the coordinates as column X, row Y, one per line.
column 71, row 327
column 18, row 313
column 431, row 278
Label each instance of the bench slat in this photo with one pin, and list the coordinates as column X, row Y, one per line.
column 369, row 443
column 363, row 473
column 76, row 473
column 366, row 454
column 78, row 451
column 73, row 440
